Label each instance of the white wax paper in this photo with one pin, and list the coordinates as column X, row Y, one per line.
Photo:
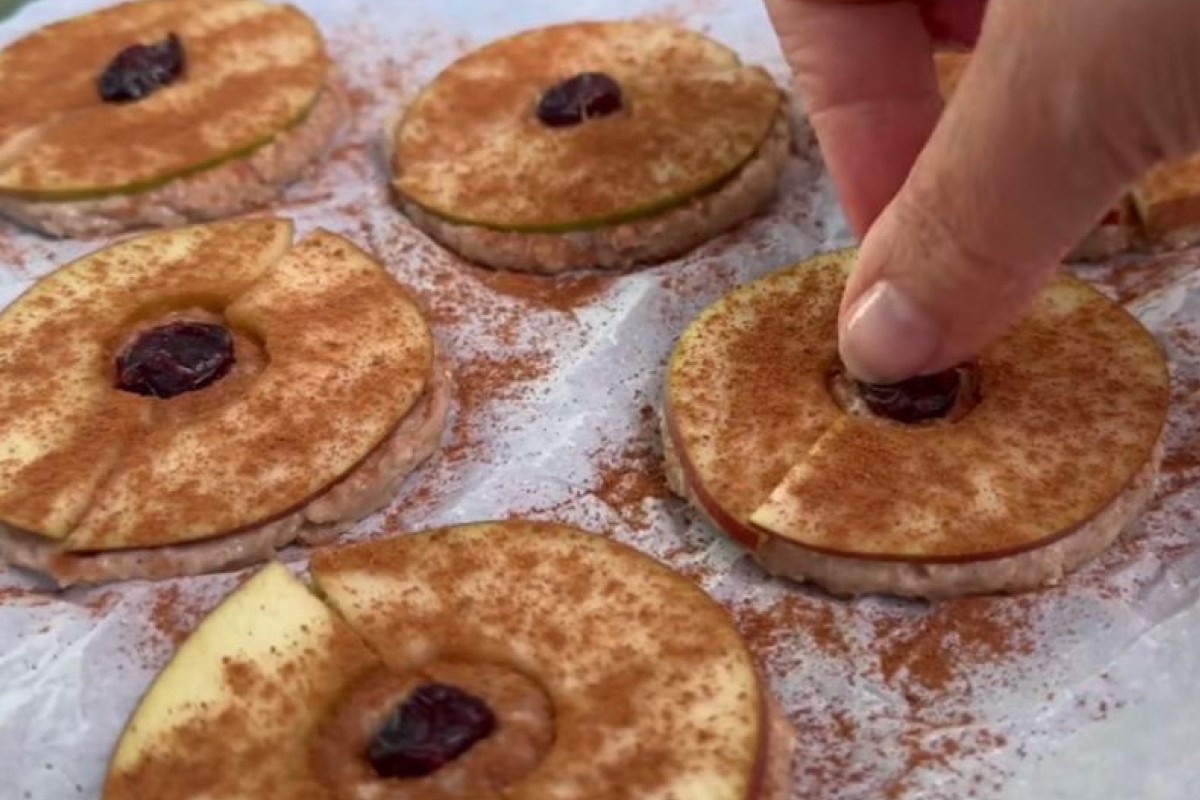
column 1084, row 691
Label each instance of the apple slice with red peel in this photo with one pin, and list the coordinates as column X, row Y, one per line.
column 653, row 692
column 746, row 395
column 1074, row 402
column 1066, row 431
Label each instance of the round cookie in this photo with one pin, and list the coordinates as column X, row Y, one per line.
column 509, row 659
column 192, row 399
column 1048, row 453
column 161, row 112
column 591, row 144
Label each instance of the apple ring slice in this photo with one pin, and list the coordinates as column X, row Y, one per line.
column 194, row 398
column 229, row 715
column 161, row 112
column 589, row 144
column 498, row 660
column 1048, row 449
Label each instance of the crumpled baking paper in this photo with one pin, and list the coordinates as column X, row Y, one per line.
column 1087, row 691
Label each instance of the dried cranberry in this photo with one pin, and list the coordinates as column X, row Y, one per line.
column 175, row 358
column 918, row 399
column 581, row 97
column 141, row 69
column 433, row 726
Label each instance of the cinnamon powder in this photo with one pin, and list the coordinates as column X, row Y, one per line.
column 630, row 475
column 840, row 748
column 174, row 614
column 924, row 663
column 925, row 656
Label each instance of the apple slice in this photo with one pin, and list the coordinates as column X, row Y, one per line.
column 1168, row 202
column 1074, row 402
column 654, row 694
column 472, row 150
column 746, row 394
column 234, row 712
column 349, row 355
column 1032, row 474
column 252, row 70
column 62, row 426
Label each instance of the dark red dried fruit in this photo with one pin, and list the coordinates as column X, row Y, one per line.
column 140, row 70
column 433, row 726
column 578, row 98
column 175, row 358
column 918, row 399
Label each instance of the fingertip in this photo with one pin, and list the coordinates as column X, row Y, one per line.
column 886, row 336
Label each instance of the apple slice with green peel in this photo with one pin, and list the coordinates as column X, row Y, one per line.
column 62, row 425
column 1074, row 400
column 653, row 692
column 746, row 395
column 252, row 71
column 234, row 712
column 349, row 355
column 472, row 150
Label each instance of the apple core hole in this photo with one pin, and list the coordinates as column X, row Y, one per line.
column 164, row 353
column 476, row 726
column 940, row 398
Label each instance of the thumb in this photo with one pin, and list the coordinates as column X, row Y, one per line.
column 1052, row 120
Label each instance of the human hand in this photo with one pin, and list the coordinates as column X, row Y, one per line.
column 965, row 214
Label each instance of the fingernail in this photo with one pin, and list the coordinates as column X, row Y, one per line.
column 887, row 337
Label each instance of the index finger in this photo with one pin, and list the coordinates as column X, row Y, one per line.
column 865, row 72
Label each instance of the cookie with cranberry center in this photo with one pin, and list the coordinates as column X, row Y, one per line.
column 507, row 659
column 1000, row 475
column 161, row 112
column 591, row 144
column 191, row 399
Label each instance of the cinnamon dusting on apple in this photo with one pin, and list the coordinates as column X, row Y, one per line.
column 43, row 360
column 85, row 143
column 1074, row 406
column 237, row 752
column 560, row 624
column 705, row 123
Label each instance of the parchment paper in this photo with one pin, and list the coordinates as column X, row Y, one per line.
column 1084, row 691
